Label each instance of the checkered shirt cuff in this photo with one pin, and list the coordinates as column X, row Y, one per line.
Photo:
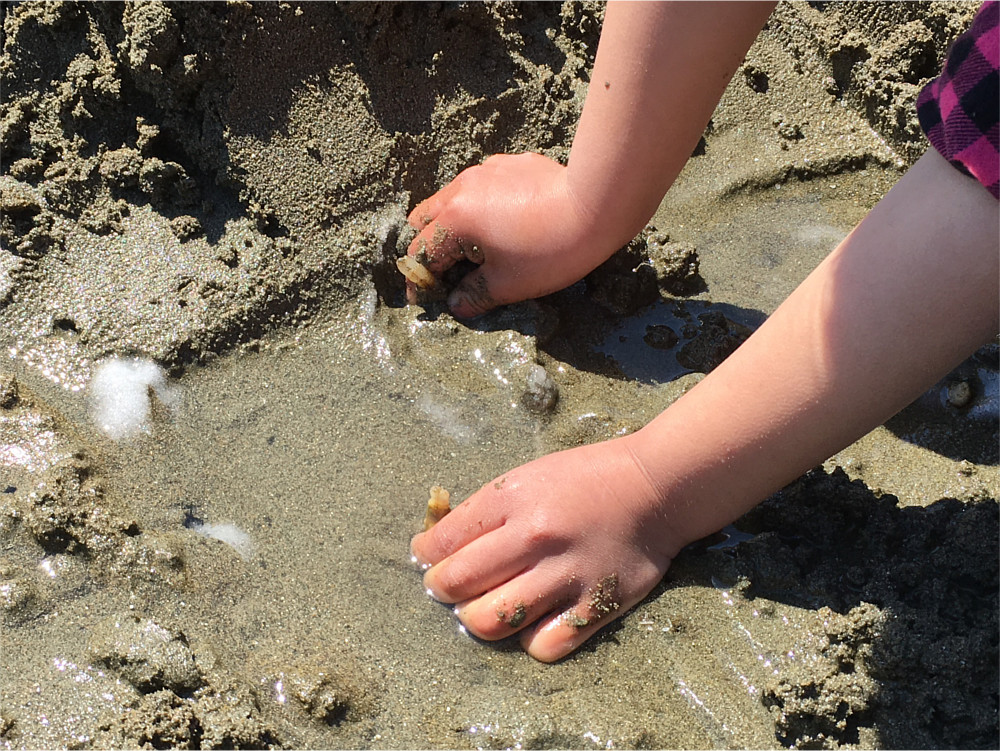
column 960, row 109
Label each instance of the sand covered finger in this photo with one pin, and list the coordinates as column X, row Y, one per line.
column 553, row 637
column 437, row 247
column 537, row 593
column 475, row 294
column 601, row 603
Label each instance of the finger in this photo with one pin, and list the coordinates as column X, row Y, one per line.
column 477, row 515
column 427, row 210
column 517, row 604
column 474, row 295
column 485, row 563
column 559, row 634
column 437, row 248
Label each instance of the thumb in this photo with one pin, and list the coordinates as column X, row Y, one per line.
column 473, row 296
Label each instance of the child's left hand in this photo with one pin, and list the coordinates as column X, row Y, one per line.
column 565, row 544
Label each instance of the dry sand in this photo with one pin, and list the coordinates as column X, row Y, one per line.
column 220, row 188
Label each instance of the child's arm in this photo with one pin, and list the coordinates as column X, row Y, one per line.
column 576, row 538
column 908, row 295
column 536, row 226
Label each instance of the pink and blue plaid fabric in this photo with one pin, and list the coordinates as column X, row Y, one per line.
column 960, row 109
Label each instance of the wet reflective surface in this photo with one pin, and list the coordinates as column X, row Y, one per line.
column 276, row 507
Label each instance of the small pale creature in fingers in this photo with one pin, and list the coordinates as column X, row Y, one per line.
column 438, row 506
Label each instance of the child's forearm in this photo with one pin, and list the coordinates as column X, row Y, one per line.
column 660, row 70
column 909, row 294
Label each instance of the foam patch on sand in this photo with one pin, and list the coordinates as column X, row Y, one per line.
column 120, row 396
column 230, row 534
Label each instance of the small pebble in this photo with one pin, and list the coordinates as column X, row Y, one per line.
column 541, row 393
column 960, row 394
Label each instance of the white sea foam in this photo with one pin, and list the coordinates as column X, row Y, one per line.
column 119, row 395
column 230, row 534
column 390, row 219
column 447, row 419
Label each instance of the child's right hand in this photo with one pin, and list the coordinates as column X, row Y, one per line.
column 554, row 549
column 516, row 217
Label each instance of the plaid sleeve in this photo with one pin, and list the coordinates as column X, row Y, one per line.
column 960, row 109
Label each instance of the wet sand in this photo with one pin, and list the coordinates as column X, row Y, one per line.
column 221, row 190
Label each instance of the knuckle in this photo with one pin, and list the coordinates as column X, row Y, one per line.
column 474, row 253
column 469, row 174
column 539, row 531
column 468, row 203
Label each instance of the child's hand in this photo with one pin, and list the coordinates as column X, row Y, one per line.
column 566, row 544
column 516, row 218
